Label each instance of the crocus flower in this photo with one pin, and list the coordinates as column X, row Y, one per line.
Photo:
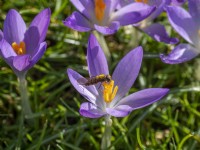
column 155, row 30
column 187, row 24
column 111, row 99
column 22, row 47
column 101, row 15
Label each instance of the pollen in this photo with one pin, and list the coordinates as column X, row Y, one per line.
column 99, row 9
column 109, row 91
column 142, row 1
column 20, row 48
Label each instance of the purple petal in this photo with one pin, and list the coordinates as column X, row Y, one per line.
column 6, row 49
column 36, row 33
column 37, row 56
column 88, row 92
column 183, row 23
column 120, row 111
column 96, row 60
column 195, row 10
column 127, row 71
column 1, row 35
column 85, row 7
column 178, row 2
column 132, row 13
column 114, row 26
column 158, row 33
column 180, row 54
column 20, row 62
column 78, row 22
column 160, row 5
column 110, row 8
column 90, row 110
column 14, row 27
column 142, row 98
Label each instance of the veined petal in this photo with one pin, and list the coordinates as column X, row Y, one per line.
column 6, row 49
column 78, row 22
column 194, row 10
column 183, row 23
column 88, row 92
column 96, row 60
column 180, row 54
column 132, row 13
column 114, row 26
column 90, row 110
column 142, row 98
column 120, row 111
column 14, row 27
column 126, row 72
column 20, row 62
column 158, row 33
column 37, row 30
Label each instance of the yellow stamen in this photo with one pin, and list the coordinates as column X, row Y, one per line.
column 142, row 1
column 108, row 92
column 99, row 9
column 20, row 48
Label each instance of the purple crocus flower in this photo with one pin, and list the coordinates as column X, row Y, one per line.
column 22, row 47
column 177, row 2
column 101, row 15
column 155, row 30
column 111, row 99
column 187, row 24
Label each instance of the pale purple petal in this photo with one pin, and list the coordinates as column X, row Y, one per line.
column 142, row 98
column 6, row 49
column 132, row 13
column 36, row 33
column 90, row 110
column 183, row 23
column 120, row 111
column 194, row 10
column 114, row 26
column 126, row 72
column 110, row 8
column 96, row 60
column 180, row 54
column 88, row 92
column 20, row 62
column 14, row 27
column 158, row 33
column 78, row 22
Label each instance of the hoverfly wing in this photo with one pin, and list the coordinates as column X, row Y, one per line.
column 82, row 81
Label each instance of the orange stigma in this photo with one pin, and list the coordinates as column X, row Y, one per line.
column 20, row 48
column 142, row 1
column 109, row 91
column 99, row 9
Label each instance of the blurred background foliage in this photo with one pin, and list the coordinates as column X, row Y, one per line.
column 172, row 123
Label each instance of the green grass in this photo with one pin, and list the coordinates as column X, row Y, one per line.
column 172, row 123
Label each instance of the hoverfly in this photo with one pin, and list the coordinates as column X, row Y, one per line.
column 94, row 80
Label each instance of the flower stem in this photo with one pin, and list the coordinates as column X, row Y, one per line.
column 103, row 44
column 106, row 139
column 26, row 109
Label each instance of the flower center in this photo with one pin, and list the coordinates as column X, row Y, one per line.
column 142, row 1
column 20, row 48
column 109, row 91
column 99, row 9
